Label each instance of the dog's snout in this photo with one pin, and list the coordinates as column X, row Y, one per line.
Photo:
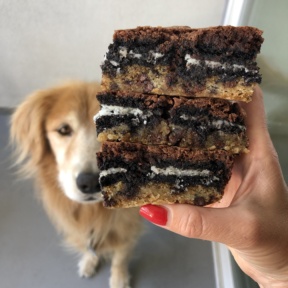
column 88, row 183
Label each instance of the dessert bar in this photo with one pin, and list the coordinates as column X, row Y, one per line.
column 133, row 174
column 195, row 123
column 208, row 62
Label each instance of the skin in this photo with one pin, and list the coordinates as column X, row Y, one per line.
column 252, row 217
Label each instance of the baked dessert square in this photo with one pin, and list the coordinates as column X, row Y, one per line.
column 132, row 174
column 195, row 123
column 208, row 62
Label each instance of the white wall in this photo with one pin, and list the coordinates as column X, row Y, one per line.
column 45, row 42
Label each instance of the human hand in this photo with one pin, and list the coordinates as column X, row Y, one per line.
column 252, row 217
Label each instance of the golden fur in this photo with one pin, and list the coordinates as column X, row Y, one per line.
column 55, row 141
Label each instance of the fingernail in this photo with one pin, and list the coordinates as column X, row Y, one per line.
column 154, row 214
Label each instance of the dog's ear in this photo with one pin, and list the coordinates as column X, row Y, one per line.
column 27, row 130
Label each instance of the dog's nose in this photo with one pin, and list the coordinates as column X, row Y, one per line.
column 88, row 183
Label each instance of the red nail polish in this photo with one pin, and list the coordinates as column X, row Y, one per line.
column 154, row 214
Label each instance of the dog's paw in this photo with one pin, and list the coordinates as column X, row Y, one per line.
column 119, row 279
column 87, row 265
column 114, row 284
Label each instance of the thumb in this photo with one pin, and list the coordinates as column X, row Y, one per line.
column 257, row 131
column 214, row 224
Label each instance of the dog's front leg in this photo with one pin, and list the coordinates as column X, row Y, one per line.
column 88, row 264
column 119, row 269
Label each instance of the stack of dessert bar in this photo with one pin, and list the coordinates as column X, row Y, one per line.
column 170, row 123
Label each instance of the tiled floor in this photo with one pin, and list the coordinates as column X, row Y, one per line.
column 31, row 255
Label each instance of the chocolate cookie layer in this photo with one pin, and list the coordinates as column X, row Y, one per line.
column 136, row 174
column 215, row 62
column 195, row 123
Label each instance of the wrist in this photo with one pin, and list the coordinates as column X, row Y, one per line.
column 274, row 283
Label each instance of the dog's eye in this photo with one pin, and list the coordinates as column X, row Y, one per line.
column 65, row 130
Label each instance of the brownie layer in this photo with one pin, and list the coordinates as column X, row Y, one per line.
column 184, row 61
column 196, row 123
column 129, row 173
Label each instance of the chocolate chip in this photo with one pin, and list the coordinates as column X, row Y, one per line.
column 199, row 201
column 143, row 77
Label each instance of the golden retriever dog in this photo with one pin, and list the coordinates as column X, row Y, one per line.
column 56, row 143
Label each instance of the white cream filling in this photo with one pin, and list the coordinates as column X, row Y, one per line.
column 109, row 110
column 156, row 55
column 152, row 55
column 187, row 117
column 214, row 64
column 109, row 171
column 170, row 170
column 218, row 124
column 113, row 110
column 123, row 52
column 134, row 55
column 114, row 63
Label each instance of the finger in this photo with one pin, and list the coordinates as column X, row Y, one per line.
column 197, row 222
column 225, row 225
column 256, row 124
column 263, row 156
